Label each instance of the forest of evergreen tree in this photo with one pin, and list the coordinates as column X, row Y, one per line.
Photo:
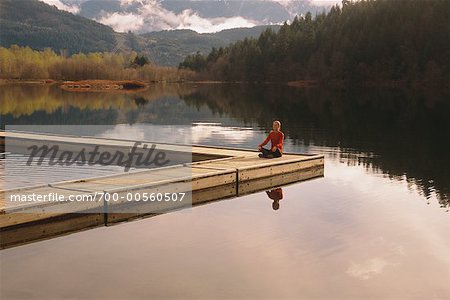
column 360, row 41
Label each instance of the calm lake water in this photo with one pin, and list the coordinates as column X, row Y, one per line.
column 375, row 227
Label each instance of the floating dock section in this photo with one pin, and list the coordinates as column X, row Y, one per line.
column 215, row 173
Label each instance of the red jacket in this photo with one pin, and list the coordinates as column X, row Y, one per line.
column 276, row 194
column 276, row 139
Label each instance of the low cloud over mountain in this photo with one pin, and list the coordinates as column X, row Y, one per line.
column 200, row 15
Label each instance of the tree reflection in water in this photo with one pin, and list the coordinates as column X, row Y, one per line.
column 404, row 134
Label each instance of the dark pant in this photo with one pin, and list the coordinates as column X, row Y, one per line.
column 270, row 154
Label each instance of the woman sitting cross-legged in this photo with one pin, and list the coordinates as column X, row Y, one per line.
column 276, row 138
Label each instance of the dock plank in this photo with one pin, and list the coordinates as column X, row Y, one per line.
column 227, row 172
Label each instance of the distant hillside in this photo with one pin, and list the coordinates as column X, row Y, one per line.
column 171, row 47
column 363, row 41
column 38, row 25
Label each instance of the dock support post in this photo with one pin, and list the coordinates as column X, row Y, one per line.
column 237, row 182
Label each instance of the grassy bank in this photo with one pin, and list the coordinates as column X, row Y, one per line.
column 25, row 64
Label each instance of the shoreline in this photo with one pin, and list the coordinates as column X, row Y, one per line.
column 28, row 81
column 307, row 83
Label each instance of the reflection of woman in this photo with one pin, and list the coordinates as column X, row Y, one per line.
column 276, row 138
column 276, row 195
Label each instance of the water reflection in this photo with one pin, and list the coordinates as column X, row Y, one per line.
column 356, row 231
column 401, row 133
column 276, row 195
column 405, row 134
column 340, row 241
column 48, row 104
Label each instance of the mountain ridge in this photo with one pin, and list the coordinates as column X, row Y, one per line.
column 38, row 25
column 202, row 16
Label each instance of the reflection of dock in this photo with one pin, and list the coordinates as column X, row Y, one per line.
column 215, row 173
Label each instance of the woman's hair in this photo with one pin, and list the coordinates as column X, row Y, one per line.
column 278, row 122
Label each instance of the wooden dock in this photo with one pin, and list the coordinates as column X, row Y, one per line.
column 214, row 173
